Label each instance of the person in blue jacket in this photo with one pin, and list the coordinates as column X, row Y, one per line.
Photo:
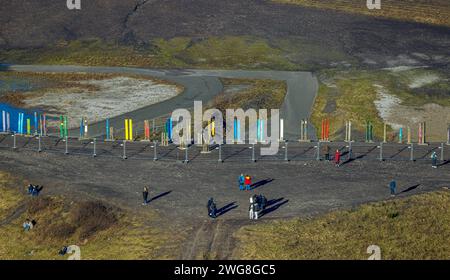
column 393, row 187
column 241, row 182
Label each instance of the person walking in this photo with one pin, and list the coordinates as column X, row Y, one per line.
column 30, row 189
column 326, row 150
column 27, row 225
column 248, row 182
column 393, row 187
column 241, row 182
column 251, row 209
column 145, row 196
column 434, row 160
column 212, row 209
column 35, row 191
column 337, row 158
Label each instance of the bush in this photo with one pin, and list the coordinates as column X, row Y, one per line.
column 40, row 204
column 91, row 217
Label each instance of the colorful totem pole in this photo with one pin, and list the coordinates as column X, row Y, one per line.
column 260, row 130
column 325, row 135
column 107, row 130
column 129, row 129
column 146, row 130
column 6, row 125
column 36, row 124
column 28, row 126
column 400, row 135
column 169, row 128
column 63, row 131
column 304, row 130
column 83, row 128
column 236, row 131
column 348, row 131
column 369, row 132
column 422, row 132
column 409, row 135
column 20, row 123
column 281, row 130
column 448, row 134
column 44, row 125
column 207, row 140
column 213, row 127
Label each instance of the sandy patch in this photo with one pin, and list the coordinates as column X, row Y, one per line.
column 115, row 96
column 423, row 80
column 395, row 114
column 402, row 68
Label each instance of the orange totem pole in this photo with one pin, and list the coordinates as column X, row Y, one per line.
column 325, row 130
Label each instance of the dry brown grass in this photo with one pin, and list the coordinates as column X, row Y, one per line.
column 102, row 231
column 423, row 11
column 259, row 94
column 417, row 227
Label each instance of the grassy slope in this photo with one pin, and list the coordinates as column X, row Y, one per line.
column 97, row 240
column 412, row 228
column 260, row 94
column 423, row 11
column 214, row 52
column 354, row 92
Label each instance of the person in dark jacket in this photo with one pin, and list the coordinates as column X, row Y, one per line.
column 35, row 191
column 326, row 150
column 434, row 160
column 212, row 209
column 145, row 196
column 30, row 189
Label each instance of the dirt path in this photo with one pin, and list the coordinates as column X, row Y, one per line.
column 18, row 211
column 213, row 239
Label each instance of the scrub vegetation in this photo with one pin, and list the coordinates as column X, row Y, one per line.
column 423, row 11
column 256, row 94
column 101, row 231
column 224, row 52
column 417, row 227
column 350, row 95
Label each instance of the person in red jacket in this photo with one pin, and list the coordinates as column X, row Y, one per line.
column 337, row 158
column 247, row 182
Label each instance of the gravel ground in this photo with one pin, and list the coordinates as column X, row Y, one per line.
column 180, row 191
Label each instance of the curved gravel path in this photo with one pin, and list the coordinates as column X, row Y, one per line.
column 201, row 85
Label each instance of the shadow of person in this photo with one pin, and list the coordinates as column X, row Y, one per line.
column 159, row 196
column 226, row 208
column 261, row 183
column 273, row 208
column 410, row 188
